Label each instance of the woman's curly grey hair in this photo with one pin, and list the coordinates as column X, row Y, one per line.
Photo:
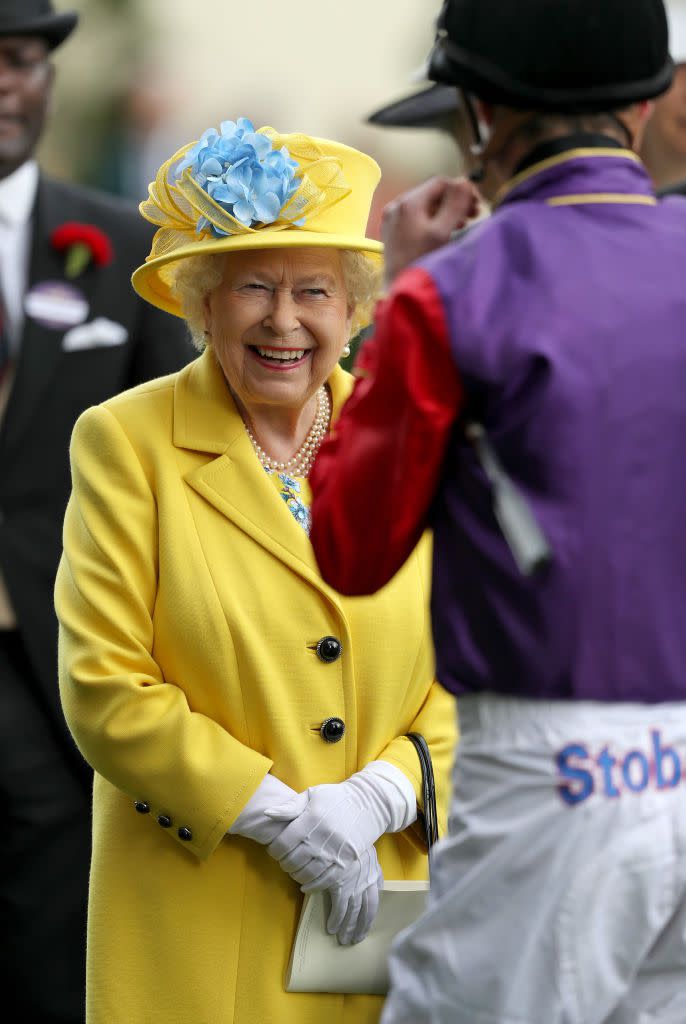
column 196, row 276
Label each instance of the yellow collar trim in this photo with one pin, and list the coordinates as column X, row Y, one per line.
column 554, row 161
column 603, row 197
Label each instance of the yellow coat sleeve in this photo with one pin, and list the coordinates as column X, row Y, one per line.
column 133, row 726
column 435, row 720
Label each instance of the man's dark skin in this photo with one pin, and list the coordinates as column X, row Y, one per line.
column 26, row 77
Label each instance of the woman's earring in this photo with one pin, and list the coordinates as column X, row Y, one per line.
column 346, row 351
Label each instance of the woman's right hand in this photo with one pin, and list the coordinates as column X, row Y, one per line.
column 252, row 822
column 355, row 897
column 355, row 900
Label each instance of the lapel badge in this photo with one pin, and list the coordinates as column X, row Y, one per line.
column 56, row 304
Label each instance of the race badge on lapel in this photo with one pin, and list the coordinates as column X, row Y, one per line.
column 99, row 333
column 56, row 305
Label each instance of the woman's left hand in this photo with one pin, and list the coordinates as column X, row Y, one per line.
column 332, row 827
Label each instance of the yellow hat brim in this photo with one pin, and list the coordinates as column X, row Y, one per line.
column 150, row 283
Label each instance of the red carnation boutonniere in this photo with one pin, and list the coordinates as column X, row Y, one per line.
column 83, row 244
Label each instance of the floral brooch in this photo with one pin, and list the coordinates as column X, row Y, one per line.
column 82, row 244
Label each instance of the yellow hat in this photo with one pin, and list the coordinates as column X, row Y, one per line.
column 239, row 189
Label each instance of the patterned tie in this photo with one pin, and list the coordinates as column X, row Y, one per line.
column 4, row 344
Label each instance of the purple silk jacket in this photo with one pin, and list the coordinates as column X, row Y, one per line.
column 566, row 312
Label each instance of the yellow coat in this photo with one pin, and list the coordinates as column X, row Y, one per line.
column 190, row 605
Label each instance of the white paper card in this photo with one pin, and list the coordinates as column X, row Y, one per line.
column 319, row 964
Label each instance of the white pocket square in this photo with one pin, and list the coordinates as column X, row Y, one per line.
column 99, row 333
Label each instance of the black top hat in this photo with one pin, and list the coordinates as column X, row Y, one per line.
column 563, row 55
column 36, row 18
column 431, row 107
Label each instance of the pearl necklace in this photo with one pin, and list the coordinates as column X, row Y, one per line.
column 302, row 461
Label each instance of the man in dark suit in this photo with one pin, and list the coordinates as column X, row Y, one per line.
column 72, row 334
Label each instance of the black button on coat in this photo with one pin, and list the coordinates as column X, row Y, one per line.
column 332, row 730
column 329, row 649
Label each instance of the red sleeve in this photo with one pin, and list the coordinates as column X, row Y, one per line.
column 377, row 474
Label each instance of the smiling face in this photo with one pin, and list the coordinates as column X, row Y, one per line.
column 25, row 84
column 278, row 322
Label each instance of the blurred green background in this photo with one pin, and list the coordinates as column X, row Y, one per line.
column 139, row 78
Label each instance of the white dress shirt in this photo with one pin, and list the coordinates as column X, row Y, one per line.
column 17, row 197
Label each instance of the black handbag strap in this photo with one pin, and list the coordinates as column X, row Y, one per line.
column 430, row 817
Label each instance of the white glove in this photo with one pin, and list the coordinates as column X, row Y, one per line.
column 332, row 826
column 252, row 822
column 355, row 901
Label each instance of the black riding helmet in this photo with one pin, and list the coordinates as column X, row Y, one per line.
column 576, row 56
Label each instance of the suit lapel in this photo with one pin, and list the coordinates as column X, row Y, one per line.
column 206, row 419
column 41, row 347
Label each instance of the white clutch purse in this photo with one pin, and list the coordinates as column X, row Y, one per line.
column 319, row 964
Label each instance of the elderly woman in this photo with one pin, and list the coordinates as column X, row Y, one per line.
column 247, row 725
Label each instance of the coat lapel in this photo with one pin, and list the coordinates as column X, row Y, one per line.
column 206, row 419
column 41, row 347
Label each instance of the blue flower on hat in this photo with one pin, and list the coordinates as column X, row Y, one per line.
column 242, row 172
